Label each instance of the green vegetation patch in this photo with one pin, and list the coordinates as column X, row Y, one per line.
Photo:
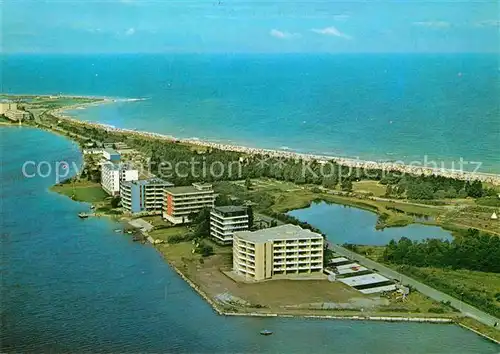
column 82, row 191
column 480, row 289
column 168, row 233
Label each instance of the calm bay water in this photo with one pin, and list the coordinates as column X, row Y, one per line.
column 74, row 285
column 385, row 106
column 344, row 224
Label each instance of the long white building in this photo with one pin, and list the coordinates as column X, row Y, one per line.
column 226, row 220
column 285, row 251
column 112, row 174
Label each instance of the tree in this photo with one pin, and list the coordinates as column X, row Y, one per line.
column 451, row 193
column 346, row 185
column 474, row 189
column 440, row 194
column 222, row 200
column 115, row 202
column 250, row 216
column 204, row 249
column 422, row 190
column 248, row 183
column 462, row 193
column 329, row 182
column 388, row 190
column 201, row 222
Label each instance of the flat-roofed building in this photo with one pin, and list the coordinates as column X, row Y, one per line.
column 225, row 220
column 11, row 111
column 284, row 251
column 180, row 202
column 146, row 195
column 112, row 174
column 17, row 115
column 111, row 154
column 7, row 106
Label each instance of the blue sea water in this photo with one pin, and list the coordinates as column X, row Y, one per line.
column 72, row 285
column 409, row 107
column 343, row 224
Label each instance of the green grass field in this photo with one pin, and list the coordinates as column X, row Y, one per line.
column 377, row 189
column 167, row 232
column 82, row 191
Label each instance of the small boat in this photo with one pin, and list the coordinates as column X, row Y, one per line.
column 266, row 332
column 82, row 215
column 118, row 230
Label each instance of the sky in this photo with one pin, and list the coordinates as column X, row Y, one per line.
column 249, row 26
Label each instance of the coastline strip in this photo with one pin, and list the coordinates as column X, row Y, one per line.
column 219, row 311
column 479, row 333
column 347, row 162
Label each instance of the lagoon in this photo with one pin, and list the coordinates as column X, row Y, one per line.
column 75, row 285
column 345, row 224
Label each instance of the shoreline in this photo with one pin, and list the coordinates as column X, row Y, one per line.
column 216, row 308
column 354, row 163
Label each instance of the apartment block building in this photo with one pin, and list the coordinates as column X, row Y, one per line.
column 283, row 251
column 143, row 195
column 180, row 202
column 226, row 220
column 112, row 174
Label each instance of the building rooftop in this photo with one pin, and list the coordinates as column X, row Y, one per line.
column 283, row 232
column 149, row 181
column 117, row 166
column 111, row 151
column 202, row 185
column 111, row 165
column 364, row 279
column 188, row 189
column 231, row 209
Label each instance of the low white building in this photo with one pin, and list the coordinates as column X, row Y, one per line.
column 112, row 174
column 110, row 154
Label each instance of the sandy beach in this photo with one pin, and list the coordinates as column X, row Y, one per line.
column 416, row 168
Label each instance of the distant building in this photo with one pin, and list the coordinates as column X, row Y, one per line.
column 182, row 201
column 7, row 106
column 143, row 195
column 285, row 251
column 111, row 154
column 112, row 174
column 17, row 115
column 12, row 111
column 92, row 151
column 225, row 220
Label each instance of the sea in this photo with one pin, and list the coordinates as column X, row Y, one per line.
column 436, row 110
column 72, row 285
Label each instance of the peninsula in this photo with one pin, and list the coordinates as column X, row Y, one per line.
column 454, row 200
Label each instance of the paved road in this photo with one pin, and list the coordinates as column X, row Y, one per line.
column 464, row 308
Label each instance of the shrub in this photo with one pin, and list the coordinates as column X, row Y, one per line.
column 436, row 310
